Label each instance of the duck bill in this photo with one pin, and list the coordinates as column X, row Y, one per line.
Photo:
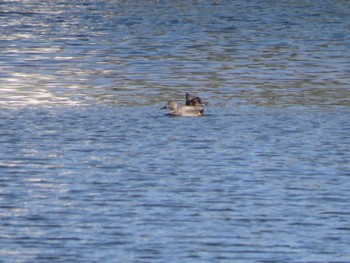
column 164, row 107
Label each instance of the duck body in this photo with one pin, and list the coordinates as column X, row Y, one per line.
column 190, row 111
column 197, row 101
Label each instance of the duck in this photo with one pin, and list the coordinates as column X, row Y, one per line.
column 175, row 110
column 197, row 101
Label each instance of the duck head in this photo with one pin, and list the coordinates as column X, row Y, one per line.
column 171, row 105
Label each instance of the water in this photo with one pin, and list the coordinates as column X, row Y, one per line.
column 92, row 170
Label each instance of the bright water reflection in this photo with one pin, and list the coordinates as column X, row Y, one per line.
column 117, row 52
column 91, row 170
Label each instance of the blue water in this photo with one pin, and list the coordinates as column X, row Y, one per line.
column 93, row 171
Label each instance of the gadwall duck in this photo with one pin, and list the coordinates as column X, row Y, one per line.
column 197, row 101
column 184, row 110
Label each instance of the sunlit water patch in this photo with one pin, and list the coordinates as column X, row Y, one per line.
column 131, row 53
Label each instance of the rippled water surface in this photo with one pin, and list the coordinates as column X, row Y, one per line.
column 93, row 171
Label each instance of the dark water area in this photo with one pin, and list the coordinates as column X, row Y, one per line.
column 91, row 170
